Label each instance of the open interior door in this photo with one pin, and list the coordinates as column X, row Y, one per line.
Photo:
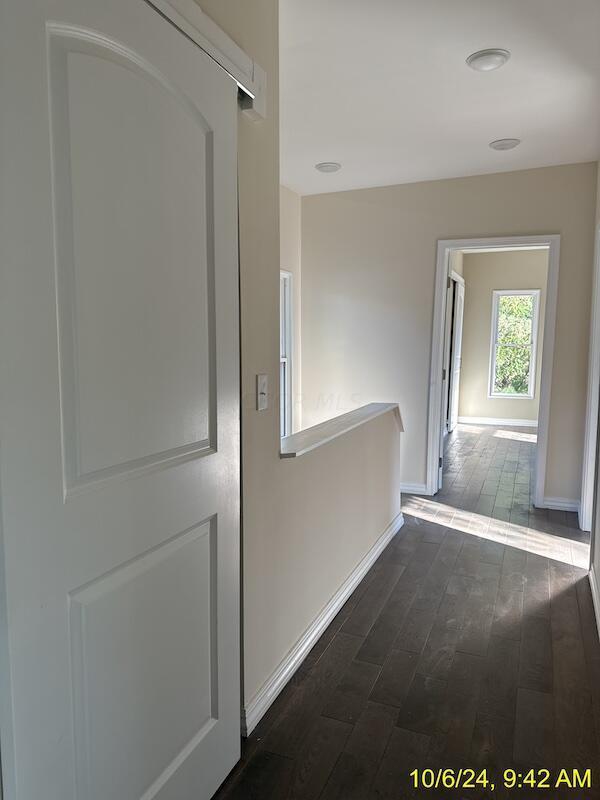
column 456, row 358
column 119, row 457
column 447, row 355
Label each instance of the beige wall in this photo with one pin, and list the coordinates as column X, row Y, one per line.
column 290, row 205
column 368, row 264
column 307, row 522
column 289, row 229
column 483, row 273
column 457, row 261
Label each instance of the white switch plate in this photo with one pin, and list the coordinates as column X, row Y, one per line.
column 262, row 392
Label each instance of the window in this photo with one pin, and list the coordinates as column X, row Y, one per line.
column 285, row 353
column 514, row 342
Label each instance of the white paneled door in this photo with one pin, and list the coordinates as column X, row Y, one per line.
column 119, row 449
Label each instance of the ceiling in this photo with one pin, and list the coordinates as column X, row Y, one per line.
column 382, row 87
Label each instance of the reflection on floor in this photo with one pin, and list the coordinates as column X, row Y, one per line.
column 488, row 489
column 462, row 646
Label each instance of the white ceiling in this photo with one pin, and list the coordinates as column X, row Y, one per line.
column 382, row 86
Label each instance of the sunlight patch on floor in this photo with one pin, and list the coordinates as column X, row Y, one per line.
column 517, row 436
column 495, row 530
column 468, row 428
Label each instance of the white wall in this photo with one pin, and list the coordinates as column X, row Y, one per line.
column 484, row 273
column 368, row 264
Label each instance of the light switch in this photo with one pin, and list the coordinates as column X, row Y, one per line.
column 262, row 392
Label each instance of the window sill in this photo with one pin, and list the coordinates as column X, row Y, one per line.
column 309, row 439
column 511, row 397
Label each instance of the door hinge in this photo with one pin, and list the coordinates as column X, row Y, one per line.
column 444, row 374
column 449, row 282
column 440, row 462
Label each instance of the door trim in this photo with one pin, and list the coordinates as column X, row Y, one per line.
column 591, row 414
column 444, row 248
column 251, row 78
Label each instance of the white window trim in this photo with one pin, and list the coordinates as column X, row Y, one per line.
column 288, row 406
column 496, row 295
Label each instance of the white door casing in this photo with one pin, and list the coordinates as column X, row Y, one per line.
column 443, row 431
column 119, row 449
column 590, row 442
column 457, row 334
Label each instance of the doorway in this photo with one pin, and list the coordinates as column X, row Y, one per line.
column 494, row 329
column 450, row 402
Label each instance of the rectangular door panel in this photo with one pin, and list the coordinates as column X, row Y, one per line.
column 135, row 260
column 137, row 706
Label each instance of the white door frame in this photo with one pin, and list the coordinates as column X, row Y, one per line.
column 446, row 355
column 591, row 414
column 445, row 247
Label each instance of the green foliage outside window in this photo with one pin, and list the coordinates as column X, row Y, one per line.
column 513, row 344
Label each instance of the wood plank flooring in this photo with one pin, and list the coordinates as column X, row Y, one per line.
column 471, row 642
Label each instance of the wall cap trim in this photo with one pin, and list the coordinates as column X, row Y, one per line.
column 301, row 442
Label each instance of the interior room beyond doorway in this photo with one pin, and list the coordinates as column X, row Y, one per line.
column 494, row 336
column 494, row 303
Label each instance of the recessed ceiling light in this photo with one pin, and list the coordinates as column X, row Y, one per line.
column 505, row 144
column 328, row 166
column 487, row 60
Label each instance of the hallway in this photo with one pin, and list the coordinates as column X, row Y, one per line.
column 488, row 482
column 471, row 642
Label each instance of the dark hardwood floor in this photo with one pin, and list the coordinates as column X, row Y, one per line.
column 471, row 642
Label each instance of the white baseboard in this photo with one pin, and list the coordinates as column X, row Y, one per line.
column 560, row 504
column 516, row 423
column 258, row 706
column 413, row 488
column 595, row 595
